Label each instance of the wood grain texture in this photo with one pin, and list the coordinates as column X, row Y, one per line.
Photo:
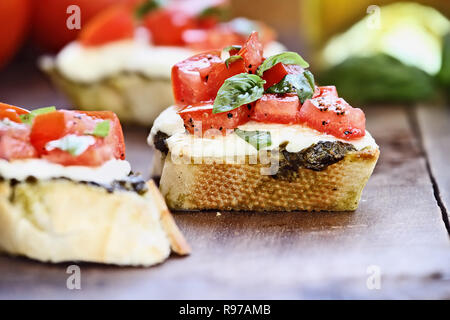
column 398, row 228
column 434, row 126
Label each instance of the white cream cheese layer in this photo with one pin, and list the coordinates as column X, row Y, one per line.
column 297, row 137
column 91, row 64
column 44, row 170
column 83, row 64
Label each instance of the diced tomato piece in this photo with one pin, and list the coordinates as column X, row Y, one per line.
column 201, row 115
column 278, row 72
column 326, row 91
column 47, row 127
column 220, row 72
column 11, row 112
column 55, row 125
column 115, row 137
column 15, row 142
column 94, row 156
column 252, row 52
column 234, row 51
column 190, row 77
column 115, row 23
column 274, row 108
column 168, row 25
column 274, row 75
column 333, row 116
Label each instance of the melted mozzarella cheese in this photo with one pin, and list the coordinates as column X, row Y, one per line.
column 297, row 138
column 91, row 64
column 83, row 64
column 44, row 170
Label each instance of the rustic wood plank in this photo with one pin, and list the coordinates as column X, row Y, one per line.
column 434, row 125
column 398, row 228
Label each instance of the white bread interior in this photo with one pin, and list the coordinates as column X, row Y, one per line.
column 61, row 220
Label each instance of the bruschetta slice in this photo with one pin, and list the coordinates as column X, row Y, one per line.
column 68, row 194
column 255, row 133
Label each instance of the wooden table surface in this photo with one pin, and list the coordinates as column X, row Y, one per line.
column 400, row 229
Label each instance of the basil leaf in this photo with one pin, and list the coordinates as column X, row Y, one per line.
column 238, row 90
column 302, row 84
column 310, row 77
column 232, row 59
column 73, row 144
column 102, row 129
column 285, row 58
column 148, row 6
column 444, row 73
column 28, row 118
column 258, row 139
column 230, row 48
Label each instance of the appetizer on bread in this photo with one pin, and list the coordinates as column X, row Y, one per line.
column 123, row 57
column 68, row 194
column 255, row 133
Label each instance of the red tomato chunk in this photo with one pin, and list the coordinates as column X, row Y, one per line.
column 333, row 116
column 273, row 108
column 199, row 118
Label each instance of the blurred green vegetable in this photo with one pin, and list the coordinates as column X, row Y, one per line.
column 444, row 74
column 378, row 78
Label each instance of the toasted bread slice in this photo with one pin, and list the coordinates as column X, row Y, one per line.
column 242, row 187
column 133, row 97
column 60, row 220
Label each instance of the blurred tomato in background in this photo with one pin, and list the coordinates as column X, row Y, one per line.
column 49, row 30
column 14, row 18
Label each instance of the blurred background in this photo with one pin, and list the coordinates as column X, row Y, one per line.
column 374, row 51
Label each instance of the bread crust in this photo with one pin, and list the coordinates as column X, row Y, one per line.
column 61, row 220
column 242, row 187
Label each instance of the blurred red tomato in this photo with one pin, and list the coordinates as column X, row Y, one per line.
column 50, row 31
column 14, row 17
column 112, row 24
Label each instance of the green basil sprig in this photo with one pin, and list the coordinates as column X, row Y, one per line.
column 28, row 118
column 285, row 58
column 232, row 59
column 238, row 90
column 258, row 139
column 102, row 129
column 302, row 84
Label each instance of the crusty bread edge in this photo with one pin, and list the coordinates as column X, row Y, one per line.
column 195, row 186
column 178, row 242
